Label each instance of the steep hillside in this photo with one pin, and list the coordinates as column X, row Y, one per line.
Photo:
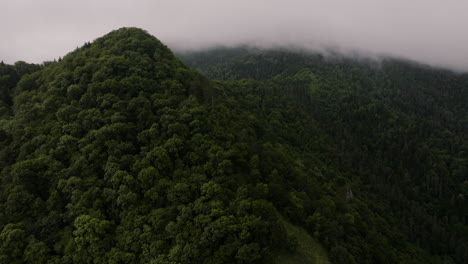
column 397, row 131
column 110, row 157
column 119, row 153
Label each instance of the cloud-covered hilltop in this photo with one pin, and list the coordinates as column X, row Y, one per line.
column 426, row 31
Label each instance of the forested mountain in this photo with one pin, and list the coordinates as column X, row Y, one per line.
column 119, row 153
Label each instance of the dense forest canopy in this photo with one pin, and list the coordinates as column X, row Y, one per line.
column 120, row 153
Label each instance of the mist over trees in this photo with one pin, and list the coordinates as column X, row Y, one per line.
column 120, row 153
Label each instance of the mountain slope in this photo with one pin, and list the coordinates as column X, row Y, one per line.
column 398, row 130
column 119, row 153
column 307, row 250
column 110, row 158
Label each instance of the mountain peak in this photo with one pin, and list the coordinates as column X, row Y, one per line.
column 122, row 53
column 130, row 56
column 131, row 39
column 127, row 33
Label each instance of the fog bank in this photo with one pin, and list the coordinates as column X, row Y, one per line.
column 428, row 31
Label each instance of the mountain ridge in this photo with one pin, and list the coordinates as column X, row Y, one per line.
column 119, row 153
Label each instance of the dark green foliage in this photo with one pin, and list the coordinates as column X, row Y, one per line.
column 110, row 156
column 9, row 78
column 119, row 153
column 390, row 138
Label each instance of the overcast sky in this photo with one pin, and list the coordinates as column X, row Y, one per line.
column 429, row 31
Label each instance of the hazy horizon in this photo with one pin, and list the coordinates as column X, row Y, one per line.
column 429, row 32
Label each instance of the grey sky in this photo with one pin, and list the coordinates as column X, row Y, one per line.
column 430, row 31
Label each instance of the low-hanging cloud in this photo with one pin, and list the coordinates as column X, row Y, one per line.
column 429, row 31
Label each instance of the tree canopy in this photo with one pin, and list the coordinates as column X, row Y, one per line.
column 119, row 153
